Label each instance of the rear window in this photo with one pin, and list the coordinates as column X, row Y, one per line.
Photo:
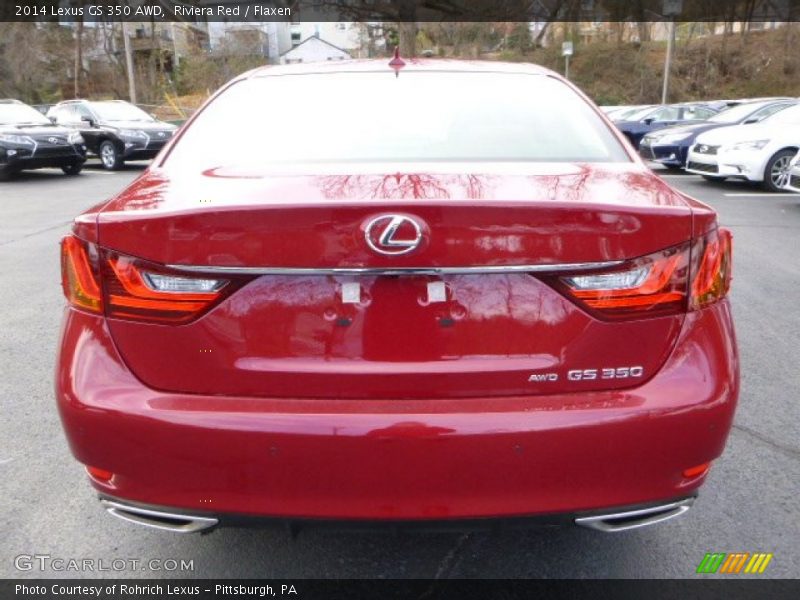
column 377, row 117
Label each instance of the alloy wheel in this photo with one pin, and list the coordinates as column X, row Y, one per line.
column 108, row 156
column 781, row 171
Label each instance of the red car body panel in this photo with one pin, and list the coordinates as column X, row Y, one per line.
column 284, row 400
column 399, row 459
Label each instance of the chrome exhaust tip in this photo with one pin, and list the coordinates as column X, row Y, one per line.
column 158, row 519
column 633, row 519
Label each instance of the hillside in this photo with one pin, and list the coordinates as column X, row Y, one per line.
column 764, row 63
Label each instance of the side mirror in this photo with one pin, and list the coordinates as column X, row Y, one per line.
column 87, row 120
column 750, row 121
column 52, row 120
column 648, row 121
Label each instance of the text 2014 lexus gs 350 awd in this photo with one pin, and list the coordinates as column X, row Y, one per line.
column 409, row 293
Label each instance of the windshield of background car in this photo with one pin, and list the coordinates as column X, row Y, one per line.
column 789, row 116
column 119, row 111
column 623, row 114
column 16, row 114
column 640, row 114
column 735, row 113
column 377, row 117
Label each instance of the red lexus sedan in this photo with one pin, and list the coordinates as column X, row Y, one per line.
column 409, row 293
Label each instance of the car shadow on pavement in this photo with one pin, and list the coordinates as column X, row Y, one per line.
column 524, row 553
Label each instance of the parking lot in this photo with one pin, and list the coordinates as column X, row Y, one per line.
column 749, row 504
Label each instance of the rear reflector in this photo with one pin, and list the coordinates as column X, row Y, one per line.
column 99, row 474
column 697, row 471
column 79, row 274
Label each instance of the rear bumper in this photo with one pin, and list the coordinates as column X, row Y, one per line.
column 399, row 460
column 189, row 521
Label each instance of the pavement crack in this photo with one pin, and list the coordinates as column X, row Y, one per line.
column 790, row 451
column 27, row 235
column 449, row 561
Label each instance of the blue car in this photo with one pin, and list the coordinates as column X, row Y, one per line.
column 640, row 123
column 670, row 146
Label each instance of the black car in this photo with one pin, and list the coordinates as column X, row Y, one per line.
column 28, row 140
column 114, row 130
column 670, row 146
column 637, row 125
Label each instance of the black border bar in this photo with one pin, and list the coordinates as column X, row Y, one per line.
column 401, row 10
column 387, row 589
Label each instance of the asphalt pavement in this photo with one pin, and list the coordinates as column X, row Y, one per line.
column 750, row 503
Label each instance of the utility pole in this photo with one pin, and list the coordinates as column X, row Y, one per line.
column 129, row 63
column 668, row 60
column 671, row 10
column 567, row 49
column 76, row 87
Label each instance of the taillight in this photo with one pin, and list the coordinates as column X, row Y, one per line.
column 653, row 285
column 138, row 290
column 79, row 275
column 94, row 279
column 712, row 270
column 681, row 278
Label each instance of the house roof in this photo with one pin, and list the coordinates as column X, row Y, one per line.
column 319, row 39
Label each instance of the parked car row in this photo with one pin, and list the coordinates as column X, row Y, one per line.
column 112, row 130
column 753, row 140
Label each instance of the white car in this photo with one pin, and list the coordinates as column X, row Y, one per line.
column 792, row 181
column 759, row 153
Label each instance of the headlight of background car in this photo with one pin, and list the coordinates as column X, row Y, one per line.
column 75, row 138
column 133, row 134
column 750, row 145
column 671, row 138
column 18, row 140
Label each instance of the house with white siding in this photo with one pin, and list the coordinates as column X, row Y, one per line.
column 314, row 49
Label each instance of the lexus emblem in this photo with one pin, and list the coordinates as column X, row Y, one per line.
column 52, row 140
column 393, row 234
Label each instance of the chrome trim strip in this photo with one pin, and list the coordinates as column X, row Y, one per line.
column 139, row 516
column 649, row 516
column 489, row 269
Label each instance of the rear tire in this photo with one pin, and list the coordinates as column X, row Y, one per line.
column 72, row 170
column 777, row 171
column 110, row 156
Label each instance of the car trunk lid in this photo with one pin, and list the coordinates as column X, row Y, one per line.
column 464, row 314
